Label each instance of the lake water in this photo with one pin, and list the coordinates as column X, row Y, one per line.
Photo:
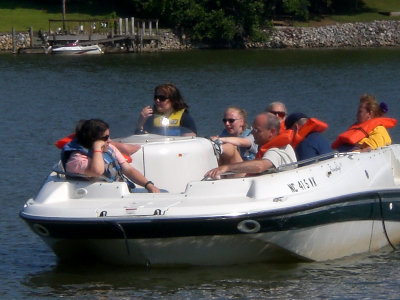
column 42, row 97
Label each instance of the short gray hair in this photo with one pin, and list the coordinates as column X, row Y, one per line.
column 269, row 107
column 273, row 122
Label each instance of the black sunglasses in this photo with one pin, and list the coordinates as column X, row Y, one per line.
column 229, row 120
column 162, row 98
column 281, row 114
column 105, row 138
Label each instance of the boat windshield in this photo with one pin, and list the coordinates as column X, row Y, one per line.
column 171, row 131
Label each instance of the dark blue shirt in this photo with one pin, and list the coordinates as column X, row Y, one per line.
column 313, row 145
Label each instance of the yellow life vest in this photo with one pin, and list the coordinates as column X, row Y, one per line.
column 359, row 131
column 173, row 120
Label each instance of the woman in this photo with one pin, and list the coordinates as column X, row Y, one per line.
column 169, row 115
column 236, row 139
column 369, row 132
column 91, row 154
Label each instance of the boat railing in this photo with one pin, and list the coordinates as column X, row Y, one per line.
column 304, row 162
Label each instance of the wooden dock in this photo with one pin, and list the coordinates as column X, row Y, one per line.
column 114, row 35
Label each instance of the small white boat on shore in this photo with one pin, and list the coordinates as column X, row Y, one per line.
column 341, row 205
column 76, row 49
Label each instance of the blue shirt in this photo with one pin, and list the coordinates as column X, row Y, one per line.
column 245, row 153
column 313, row 145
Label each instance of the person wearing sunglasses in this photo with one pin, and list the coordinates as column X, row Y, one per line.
column 278, row 109
column 275, row 150
column 169, row 114
column 236, row 139
column 90, row 153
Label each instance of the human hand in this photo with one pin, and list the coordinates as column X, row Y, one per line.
column 153, row 189
column 215, row 173
column 99, row 145
column 214, row 138
column 147, row 112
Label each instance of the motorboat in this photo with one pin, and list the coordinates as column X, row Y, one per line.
column 323, row 209
column 76, row 49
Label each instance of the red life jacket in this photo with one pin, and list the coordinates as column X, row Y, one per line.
column 359, row 131
column 312, row 125
column 281, row 140
column 61, row 143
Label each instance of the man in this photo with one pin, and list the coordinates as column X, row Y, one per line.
column 274, row 151
column 278, row 109
column 308, row 141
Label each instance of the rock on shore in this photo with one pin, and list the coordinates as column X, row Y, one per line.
column 348, row 35
column 374, row 34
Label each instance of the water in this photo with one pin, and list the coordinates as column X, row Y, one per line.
column 42, row 97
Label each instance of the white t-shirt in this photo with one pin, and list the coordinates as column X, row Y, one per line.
column 280, row 156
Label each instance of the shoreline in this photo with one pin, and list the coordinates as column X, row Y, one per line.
column 346, row 35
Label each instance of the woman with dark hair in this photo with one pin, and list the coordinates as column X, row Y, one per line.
column 91, row 154
column 168, row 112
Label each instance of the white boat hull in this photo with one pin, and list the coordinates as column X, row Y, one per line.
column 78, row 50
column 346, row 205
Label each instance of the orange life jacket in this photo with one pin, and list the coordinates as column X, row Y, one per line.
column 283, row 128
column 312, row 125
column 281, row 140
column 359, row 131
column 61, row 143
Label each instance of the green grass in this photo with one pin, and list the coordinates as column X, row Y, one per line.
column 373, row 10
column 22, row 14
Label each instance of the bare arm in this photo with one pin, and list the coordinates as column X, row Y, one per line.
column 250, row 166
column 237, row 141
column 146, row 113
column 138, row 177
column 95, row 166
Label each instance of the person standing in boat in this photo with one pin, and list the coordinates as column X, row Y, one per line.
column 236, row 141
column 370, row 130
column 278, row 109
column 90, row 153
column 275, row 150
column 169, row 114
column 308, row 141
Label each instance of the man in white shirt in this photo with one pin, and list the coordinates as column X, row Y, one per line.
column 274, row 151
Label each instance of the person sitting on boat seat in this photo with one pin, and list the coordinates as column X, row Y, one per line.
column 369, row 131
column 169, row 114
column 308, row 141
column 90, row 153
column 278, row 109
column 275, row 150
column 236, row 141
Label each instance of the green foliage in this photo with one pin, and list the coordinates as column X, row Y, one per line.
column 296, row 8
column 216, row 22
column 220, row 23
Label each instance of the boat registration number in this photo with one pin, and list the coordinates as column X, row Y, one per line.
column 302, row 184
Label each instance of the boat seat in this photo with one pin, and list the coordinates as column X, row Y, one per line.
column 59, row 169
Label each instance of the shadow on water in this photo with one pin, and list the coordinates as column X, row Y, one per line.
column 354, row 275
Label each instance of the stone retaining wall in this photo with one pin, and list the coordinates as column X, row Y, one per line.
column 22, row 40
column 374, row 34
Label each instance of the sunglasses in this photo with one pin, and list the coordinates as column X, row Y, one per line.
column 105, row 138
column 162, row 98
column 229, row 120
column 280, row 114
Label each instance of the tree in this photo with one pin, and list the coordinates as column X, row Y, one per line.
column 63, row 13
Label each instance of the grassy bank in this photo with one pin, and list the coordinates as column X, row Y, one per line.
column 22, row 14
